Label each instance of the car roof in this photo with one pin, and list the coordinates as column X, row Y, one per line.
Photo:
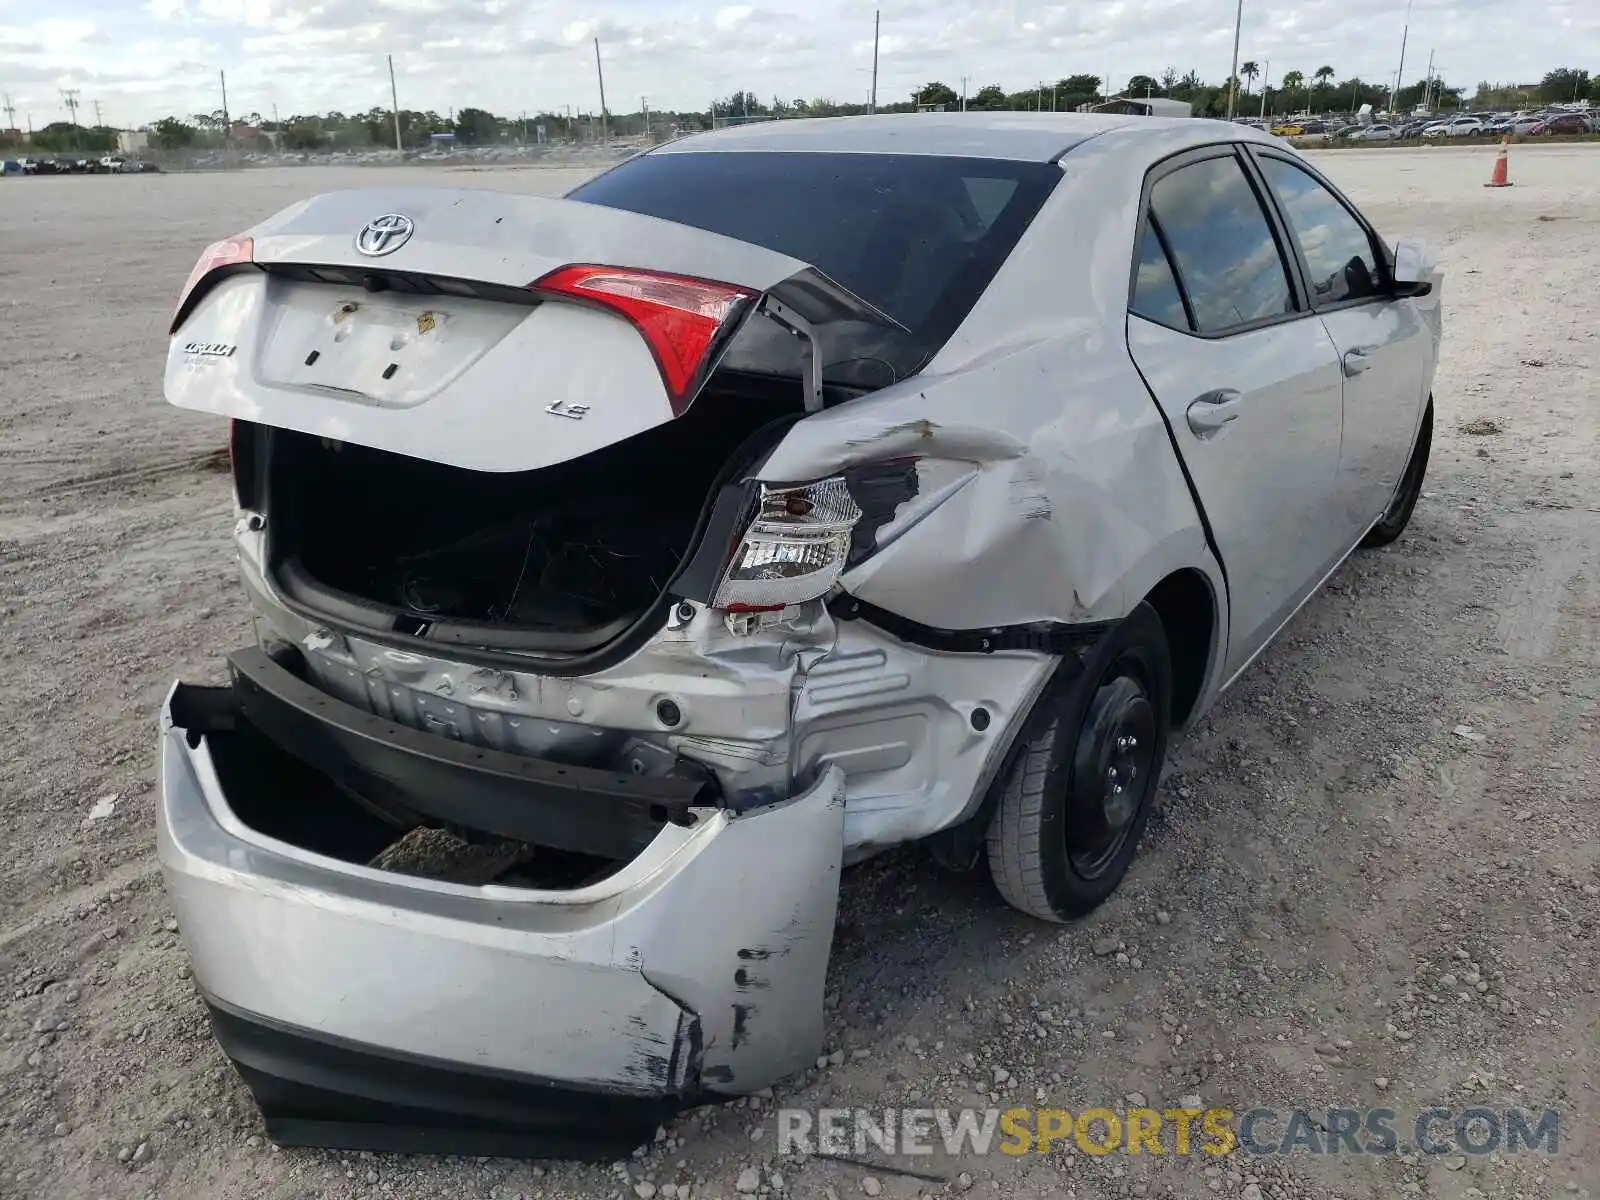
column 1018, row 136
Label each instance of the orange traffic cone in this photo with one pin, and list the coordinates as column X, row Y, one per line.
column 1498, row 178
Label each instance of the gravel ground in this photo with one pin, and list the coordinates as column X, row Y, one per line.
column 1374, row 878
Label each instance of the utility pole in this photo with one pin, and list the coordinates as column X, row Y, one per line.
column 872, row 104
column 97, row 121
column 11, row 113
column 1266, row 82
column 1399, row 75
column 394, row 100
column 605, row 129
column 963, row 93
column 69, row 98
column 227, row 124
column 1233, row 76
column 1427, row 86
column 644, row 107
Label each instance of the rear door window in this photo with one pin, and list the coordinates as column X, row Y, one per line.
column 1227, row 259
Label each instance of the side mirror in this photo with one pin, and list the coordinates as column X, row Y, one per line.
column 1413, row 267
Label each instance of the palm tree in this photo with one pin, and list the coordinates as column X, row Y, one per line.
column 1292, row 83
column 1249, row 70
column 1322, row 75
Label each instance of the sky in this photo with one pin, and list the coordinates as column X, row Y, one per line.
column 139, row 60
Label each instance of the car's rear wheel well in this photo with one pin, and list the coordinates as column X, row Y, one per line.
column 1187, row 609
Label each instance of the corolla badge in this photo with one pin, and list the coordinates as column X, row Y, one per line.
column 385, row 234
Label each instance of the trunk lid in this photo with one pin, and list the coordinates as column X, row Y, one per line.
column 403, row 320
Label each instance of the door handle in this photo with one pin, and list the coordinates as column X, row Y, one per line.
column 1356, row 361
column 1210, row 412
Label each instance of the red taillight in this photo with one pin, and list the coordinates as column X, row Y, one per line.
column 230, row 252
column 679, row 317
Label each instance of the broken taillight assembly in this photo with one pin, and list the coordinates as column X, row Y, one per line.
column 679, row 317
column 225, row 255
column 793, row 550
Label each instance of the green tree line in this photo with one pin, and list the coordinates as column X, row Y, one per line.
column 1320, row 91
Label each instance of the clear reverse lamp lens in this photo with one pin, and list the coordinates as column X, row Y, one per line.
column 794, row 549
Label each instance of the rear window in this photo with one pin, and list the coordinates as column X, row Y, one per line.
column 919, row 237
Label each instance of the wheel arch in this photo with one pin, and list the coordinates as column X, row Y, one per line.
column 1189, row 606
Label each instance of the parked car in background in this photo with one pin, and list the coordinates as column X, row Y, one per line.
column 1456, row 127
column 572, row 689
column 1413, row 129
column 1568, row 123
column 1379, row 133
column 1288, row 129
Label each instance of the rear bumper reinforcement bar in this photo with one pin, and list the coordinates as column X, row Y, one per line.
column 573, row 808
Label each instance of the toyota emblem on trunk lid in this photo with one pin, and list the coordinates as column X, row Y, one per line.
column 385, row 234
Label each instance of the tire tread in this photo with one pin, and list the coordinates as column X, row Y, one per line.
column 1014, row 835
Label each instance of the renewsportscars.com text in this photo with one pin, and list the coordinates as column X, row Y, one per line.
column 1171, row 1131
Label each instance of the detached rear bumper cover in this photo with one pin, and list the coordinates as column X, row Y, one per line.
column 697, row 969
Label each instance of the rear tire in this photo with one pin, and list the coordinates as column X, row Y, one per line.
column 1394, row 521
column 1079, row 791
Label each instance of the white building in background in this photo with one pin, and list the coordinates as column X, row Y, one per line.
column 132, row 141
column 1141, row 106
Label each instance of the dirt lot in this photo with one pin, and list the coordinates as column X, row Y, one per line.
column 1346, row 900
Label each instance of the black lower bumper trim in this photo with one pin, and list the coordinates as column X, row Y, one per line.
column 579, row 809
column 335, row 1095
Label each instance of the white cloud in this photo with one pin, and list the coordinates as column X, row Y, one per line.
column 515, row 55
column 732, row 18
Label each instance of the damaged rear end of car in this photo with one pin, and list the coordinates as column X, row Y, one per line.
column 520, row 827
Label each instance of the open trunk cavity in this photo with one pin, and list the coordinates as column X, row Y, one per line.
column 564, row 558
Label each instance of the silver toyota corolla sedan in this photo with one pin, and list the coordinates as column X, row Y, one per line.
column 623, row 565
